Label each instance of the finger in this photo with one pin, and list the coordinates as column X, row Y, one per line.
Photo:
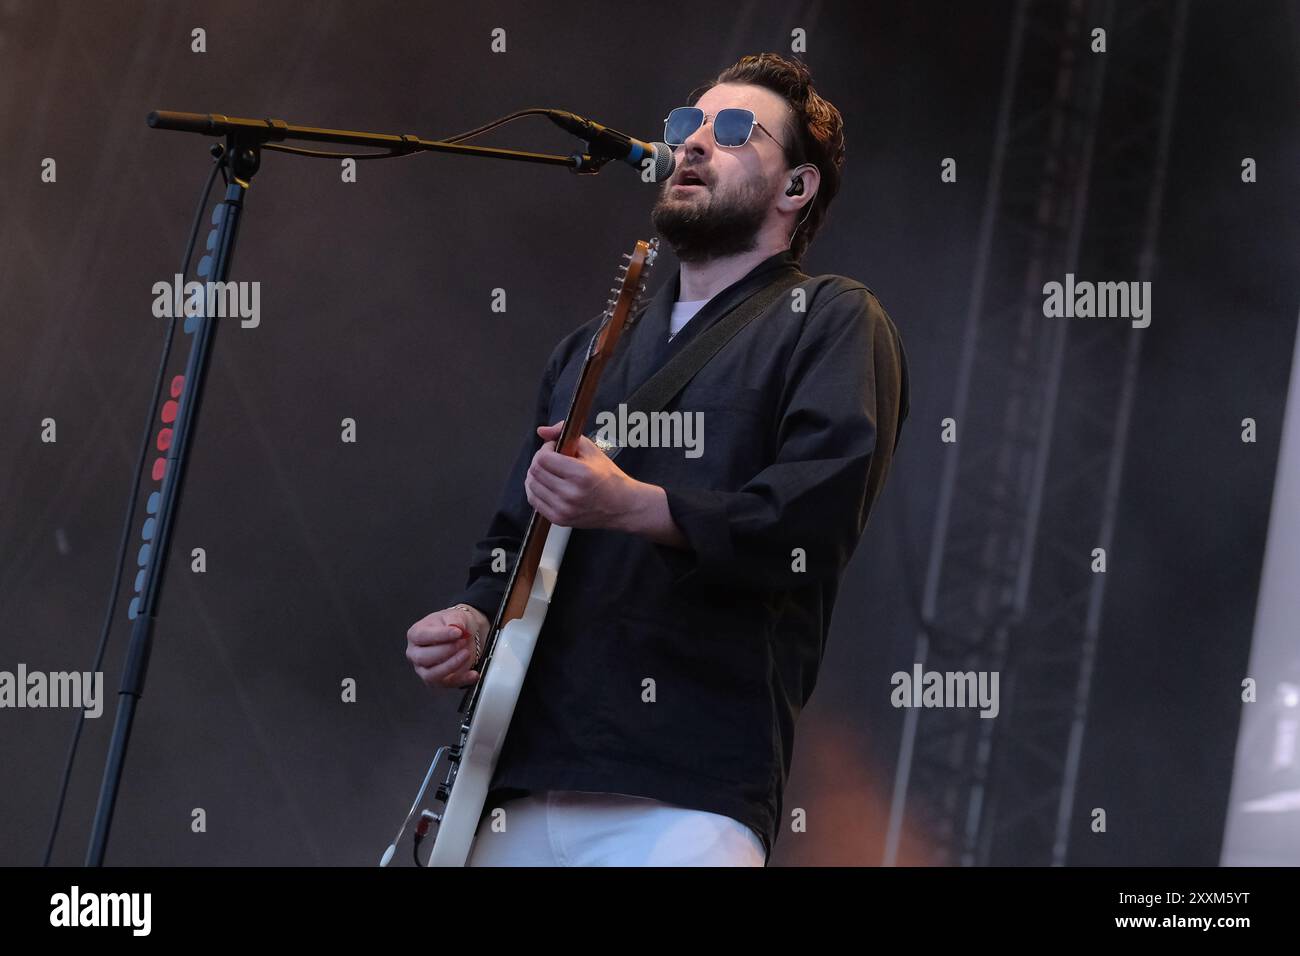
column 545, row 503
column 548, row 447
column 553, row 491
column 467, row 626
column 558, row 488
column 531, row 492
column 458, row 682
column 561, row 465
column 426, row 674
column 430, row 654
column 433, row 656
column 432, row 633
column 461, row 674
column 551, row 431
column 445, row 648
column 448, row 667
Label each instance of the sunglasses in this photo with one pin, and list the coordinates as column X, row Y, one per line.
column 731, row 127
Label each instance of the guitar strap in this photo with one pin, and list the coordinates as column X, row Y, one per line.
column 662, row 387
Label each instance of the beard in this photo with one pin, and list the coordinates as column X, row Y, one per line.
column 712, row 225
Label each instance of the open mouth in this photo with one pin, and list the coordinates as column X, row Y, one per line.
column 690, row 179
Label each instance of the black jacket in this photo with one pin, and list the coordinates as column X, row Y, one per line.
column 802, row 411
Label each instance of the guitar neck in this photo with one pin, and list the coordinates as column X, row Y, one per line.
column 619, row 314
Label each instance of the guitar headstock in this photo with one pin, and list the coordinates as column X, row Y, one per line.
column 625, row 295
column 630, row 283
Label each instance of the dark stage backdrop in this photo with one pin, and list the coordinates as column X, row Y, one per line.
column 376, row 306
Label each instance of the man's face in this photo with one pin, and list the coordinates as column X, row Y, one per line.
column 723, row 216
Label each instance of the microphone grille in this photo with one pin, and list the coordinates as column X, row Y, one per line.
column 665, row 161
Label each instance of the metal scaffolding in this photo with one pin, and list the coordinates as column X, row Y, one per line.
column 1030, row 486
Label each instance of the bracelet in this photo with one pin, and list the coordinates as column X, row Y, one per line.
column 478, row 644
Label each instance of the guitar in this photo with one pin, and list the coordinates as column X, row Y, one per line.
column 490, row 703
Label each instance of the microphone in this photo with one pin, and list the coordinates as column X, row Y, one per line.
column 616, row 145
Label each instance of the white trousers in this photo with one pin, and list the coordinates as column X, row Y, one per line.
column 573, row 828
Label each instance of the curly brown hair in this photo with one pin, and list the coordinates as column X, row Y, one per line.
column 815, row 132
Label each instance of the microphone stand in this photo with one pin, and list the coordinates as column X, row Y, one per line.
column 244, row 141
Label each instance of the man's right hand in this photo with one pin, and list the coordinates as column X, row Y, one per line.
column 441, row 646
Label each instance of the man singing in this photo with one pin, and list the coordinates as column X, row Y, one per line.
column 656, row 723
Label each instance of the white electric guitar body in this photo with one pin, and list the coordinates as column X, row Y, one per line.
column 489, row 705
column 496, row 706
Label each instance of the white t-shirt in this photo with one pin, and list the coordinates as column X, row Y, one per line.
column 683, row 312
